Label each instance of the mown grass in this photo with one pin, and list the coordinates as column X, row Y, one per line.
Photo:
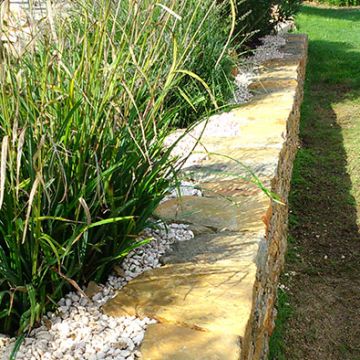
column 340, row 2
column 332, row 87
column 326, row 175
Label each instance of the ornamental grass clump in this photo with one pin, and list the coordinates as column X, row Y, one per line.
column 83, row 118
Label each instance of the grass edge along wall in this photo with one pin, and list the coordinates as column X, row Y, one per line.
column 338, row 2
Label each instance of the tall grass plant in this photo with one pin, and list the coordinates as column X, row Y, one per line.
column 83, row 118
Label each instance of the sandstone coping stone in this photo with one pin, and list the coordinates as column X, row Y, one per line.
column 249, row 121
column 161, row 339
column 240, row 213
column 190, row 279
column 235, row 163
column 214, row 297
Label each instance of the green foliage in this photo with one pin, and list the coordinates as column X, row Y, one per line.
column 82, row 125
column 259, row 18
column 288, row 8
column 204, row 60
column 255, row 17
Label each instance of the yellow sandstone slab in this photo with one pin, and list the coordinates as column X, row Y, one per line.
column 207, row 297
column 272, row 85
column 207, row 286
column 285, row 72
column 241, row 213
column 231, row 163
column 261, row 108
column 171, row 342
column 228, row 188
column 254, row 124
column 227, row 249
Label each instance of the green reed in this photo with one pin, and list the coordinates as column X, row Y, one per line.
column 83, row 118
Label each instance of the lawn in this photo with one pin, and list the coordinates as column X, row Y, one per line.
column 318, row 318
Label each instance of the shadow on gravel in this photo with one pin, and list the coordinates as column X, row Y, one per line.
column 324, row 254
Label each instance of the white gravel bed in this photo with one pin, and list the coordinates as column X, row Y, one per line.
column 79, row 329
column 248, row 70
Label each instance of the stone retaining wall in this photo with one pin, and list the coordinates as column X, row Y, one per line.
column 271, row 255
column 214, row 297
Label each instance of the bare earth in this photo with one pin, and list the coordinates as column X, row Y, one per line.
column 324, row 256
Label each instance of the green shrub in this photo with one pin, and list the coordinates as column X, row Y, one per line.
column 82, row 125
column 255, row 17
column 258, row 18
column 288, row 8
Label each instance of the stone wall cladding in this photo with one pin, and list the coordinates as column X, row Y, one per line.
column 271, row 256
column 214, row 297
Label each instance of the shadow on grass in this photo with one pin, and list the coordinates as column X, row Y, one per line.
column 322, row 322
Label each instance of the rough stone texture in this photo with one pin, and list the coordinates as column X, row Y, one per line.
column 161, row 339
column 192, row 276
column 192, row 296
column 240, row 213
column 214, row 297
